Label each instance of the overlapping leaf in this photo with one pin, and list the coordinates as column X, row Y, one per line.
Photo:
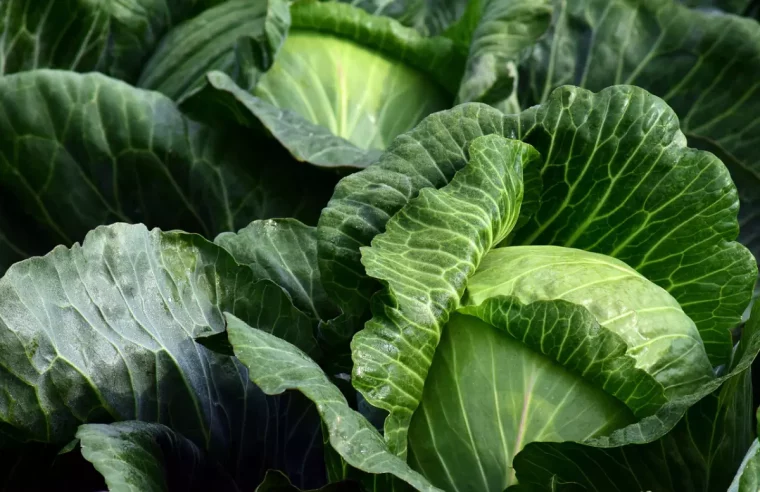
column 139, row 456
column 570, row 335
column 704, row 64
column 344, row 83
column 113, row 37
column 424, row 280
column 474, row 418
column 284, row 251
column 276, row 366
column 692, row 456
column 505, row 30
column 143, row 457
column 78, row 151
column 629, row 315
column 105, row 332
column 206, row 43
column 618, row 180
column 222, row 100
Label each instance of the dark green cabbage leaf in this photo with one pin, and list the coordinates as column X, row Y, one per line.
column 704, row 64
column 78, row 151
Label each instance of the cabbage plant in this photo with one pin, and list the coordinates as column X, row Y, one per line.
column 541, row 340
column 377, row 246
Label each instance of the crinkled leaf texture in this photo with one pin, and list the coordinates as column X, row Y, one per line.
column 587, row 343
column 703, row 63
column 78, row 151
column 368, row 80
column 700, row 451
column 424, row 281
column 618, row 180
column 105, row 332
column 276, row 366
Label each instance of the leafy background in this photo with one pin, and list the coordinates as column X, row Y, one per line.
column 206, row 155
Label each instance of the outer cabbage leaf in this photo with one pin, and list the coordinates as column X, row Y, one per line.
column 704, row 64
column 105, row 332
column 206, row 43
column 143, row 457
column 424, row 280
column 748, row 477
column 140, row 456
column 699, row 453
column 222, row 100
column 284, row 251
column 276, row 366
column 77, row 151
column 618, row 180
column 113, row 37
column 504, row 32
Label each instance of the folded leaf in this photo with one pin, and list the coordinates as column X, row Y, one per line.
column 700, row 453
column 205, row 43
column 571, row 335
column 284, row 251
column 222, row 100
column 488, row 394
column 652, row 327
column 276, row 366
column 105, row 332
column 424, row 280
column 506, row 29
